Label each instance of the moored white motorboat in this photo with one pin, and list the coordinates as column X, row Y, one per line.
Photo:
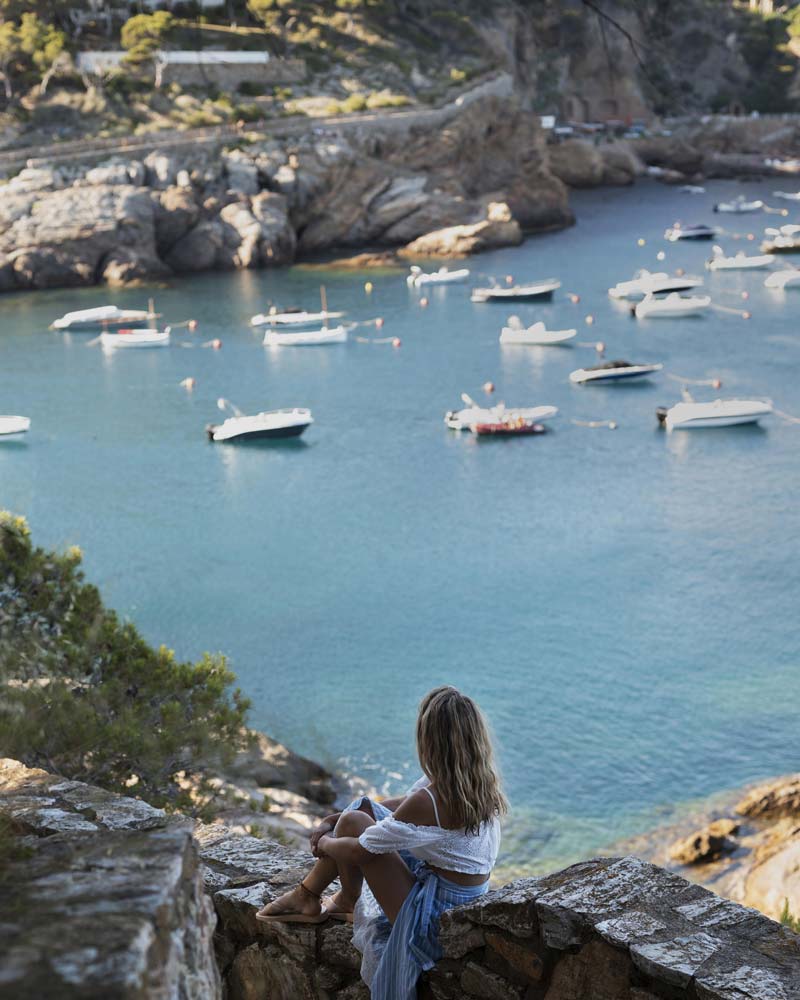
column 293, row 317
column 738, row 262
column 102, row 317
column 786, row 278
column 671, row 305
column 305, row 338
column 689, row 414
column 787, row 195
column 13, row 427
column 462, row 420
column 691, row 189
column 533, row 290
column 699, row 231
column 739, row 205
column 613, row 371
column 286, row 423
column 144, row 337
column 653, row 283
column 537, row 334
column 444, row 276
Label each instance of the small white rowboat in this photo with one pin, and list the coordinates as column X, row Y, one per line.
column 720, row 413
column 13, row 427
column 305, row 338
column 297, row 317
column 516, row 333
column 738, row 262
column 135, row 338
column 444, row 276
column 787, row 278
column 671, row 306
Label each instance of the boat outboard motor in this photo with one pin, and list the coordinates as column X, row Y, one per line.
column 661, row 413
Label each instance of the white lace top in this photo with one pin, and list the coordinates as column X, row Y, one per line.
column 453, row 850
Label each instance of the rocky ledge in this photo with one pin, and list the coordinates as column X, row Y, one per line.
column 475, row 177
column 102, row 898
column 746, row 848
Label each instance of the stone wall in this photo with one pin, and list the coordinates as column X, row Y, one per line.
column 108, row 904
column 606, row 929
column 101, row 899
column 229, row 76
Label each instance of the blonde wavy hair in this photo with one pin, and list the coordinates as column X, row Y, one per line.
column 455, row 751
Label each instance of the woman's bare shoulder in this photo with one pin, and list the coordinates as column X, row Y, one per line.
column 417, row 808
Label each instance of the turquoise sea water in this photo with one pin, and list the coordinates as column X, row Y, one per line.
column 623, row 604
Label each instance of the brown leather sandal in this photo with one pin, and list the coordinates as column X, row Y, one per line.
column 334, row 912
column 288, row 917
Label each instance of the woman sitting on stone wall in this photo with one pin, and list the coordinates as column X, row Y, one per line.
column 420, row 855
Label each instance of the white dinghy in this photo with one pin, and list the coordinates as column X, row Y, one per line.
column 305, row 338
column 287, row 423
column 739, row 205
column 671, row 306
column 738, row 262
column 13, row 427
column 473, row 414
column 533, row 290
column 144, row 337
column 647, row 282
column 613, row 371
column 787, row 195
column 698, row 231
column 788, row 277
column 515, row 333
column 444, row 276
column 689, row 414
column 293, row 317
column 103, row 317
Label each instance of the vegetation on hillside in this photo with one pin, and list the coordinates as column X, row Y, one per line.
column 381, row 53
column 83, row 695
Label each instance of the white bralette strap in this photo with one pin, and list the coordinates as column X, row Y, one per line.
column 435, row 807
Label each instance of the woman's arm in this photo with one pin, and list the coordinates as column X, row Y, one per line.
column 345, row 849
column 416, row 809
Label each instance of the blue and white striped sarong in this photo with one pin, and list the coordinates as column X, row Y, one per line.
column 395, row 955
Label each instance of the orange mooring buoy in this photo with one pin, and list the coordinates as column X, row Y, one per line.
column 488, row 387
column 396, row 342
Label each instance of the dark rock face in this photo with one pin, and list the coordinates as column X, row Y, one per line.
column 105, row 900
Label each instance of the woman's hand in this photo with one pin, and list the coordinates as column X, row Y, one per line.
column 324, row 827
column 320, row 847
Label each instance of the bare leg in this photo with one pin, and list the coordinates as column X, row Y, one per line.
column 305, row 899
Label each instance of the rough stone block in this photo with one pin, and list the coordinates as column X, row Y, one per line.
column 523, row 958
column 336, row 946
column 479, row 982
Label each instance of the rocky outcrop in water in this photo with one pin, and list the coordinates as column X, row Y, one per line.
column 747, row 848
column 106, row 897
column 388, row 184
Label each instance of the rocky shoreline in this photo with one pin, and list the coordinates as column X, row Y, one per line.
column 479, row 180
column 745, row 846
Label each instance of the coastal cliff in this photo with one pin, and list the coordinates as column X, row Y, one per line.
column 468, row 177
column 105, row 896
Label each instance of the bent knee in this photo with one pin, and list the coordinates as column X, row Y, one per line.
column 351, row 824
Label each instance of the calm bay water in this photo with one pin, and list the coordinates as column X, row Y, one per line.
column 623, row 604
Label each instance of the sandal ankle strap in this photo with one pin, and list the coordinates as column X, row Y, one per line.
column 316, row 895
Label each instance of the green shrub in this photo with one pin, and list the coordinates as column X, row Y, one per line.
column 379, row 100
column 355, row 102
column 788, row 919
column 249, row 112
column 83, row 695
